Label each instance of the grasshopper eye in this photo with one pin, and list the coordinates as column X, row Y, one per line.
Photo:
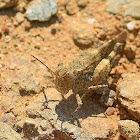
column 67, row 75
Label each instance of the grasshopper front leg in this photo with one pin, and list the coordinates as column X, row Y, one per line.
column 79, row 102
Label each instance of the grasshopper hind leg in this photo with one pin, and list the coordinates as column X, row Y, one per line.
column 104, row 87
column 103, row 69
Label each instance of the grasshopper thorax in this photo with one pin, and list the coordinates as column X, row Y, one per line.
column 64, row 80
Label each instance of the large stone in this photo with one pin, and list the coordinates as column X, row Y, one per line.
column 7, row 3
column 71, row 7
column 129, row 93
column 82, row 3
column 7, row 133
column 129, row 129
column 42, row 10
column 83, row 37
column 124, row 7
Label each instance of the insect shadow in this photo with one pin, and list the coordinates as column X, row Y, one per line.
column 91, row 107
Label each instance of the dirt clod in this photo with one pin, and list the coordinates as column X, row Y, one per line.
column 130, row 52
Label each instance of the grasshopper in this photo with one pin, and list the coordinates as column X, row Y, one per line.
column 89, row 70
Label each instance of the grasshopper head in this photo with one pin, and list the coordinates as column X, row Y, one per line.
column 64, row 80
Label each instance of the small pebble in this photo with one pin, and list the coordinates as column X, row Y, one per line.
column 15, row 23
column 110, row 99
column 131, row 37
column 1, row 56
column 45, row 49
column 91, row 20
column 82, row 3
column 71, row 8
column 0, row 66
column 53, row 30
column 9, row 24
column 52, row 54
column 44, row 125
column 12, row 67
column 37, row 46
column 27, row 25
column 6, row 30
column 21, row 7
column 130, row 52
column 59, row 44
column 110, row 111
column 130, row 26
column 19, row 46
column 60, row 19
column 102, row 35
column 19, row 17
column 7, row 39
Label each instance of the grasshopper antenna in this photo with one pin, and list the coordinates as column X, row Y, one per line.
column 53, row 73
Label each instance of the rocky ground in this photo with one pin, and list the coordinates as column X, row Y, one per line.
column 55, row 32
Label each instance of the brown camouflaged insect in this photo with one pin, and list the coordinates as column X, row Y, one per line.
column 89, row 70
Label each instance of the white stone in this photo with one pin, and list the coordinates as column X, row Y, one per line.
column 130, row 26
column 91, row 20
column 42, row 10
column 7, row 38
column 59, row 44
